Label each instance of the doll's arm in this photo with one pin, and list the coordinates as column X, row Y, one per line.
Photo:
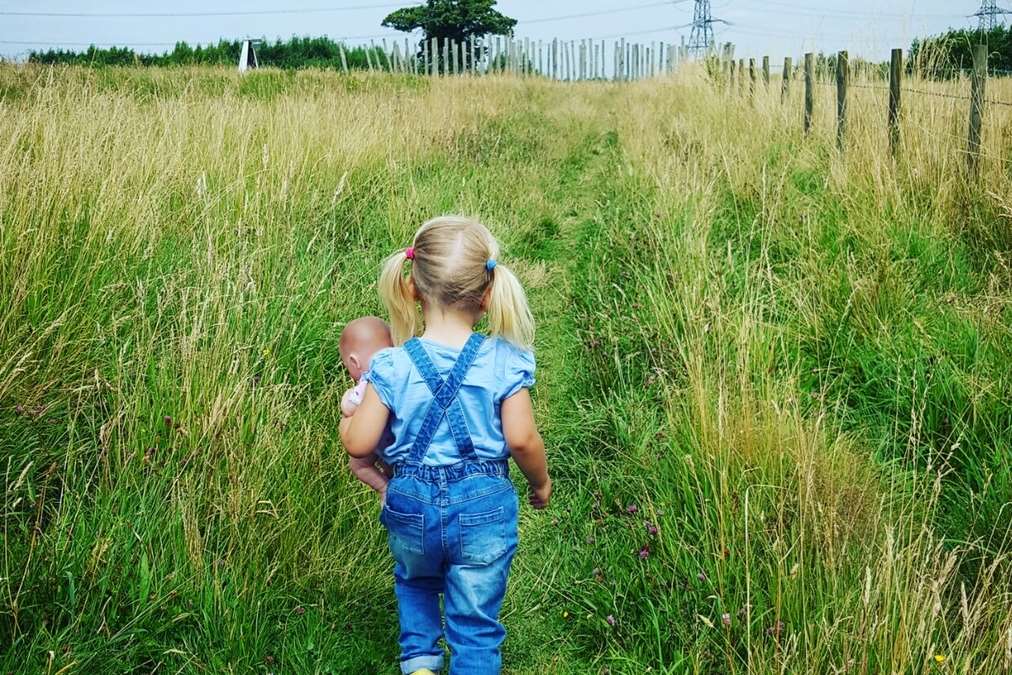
column 362, row 432
column 365, row 469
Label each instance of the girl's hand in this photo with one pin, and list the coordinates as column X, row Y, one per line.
column 541, row 496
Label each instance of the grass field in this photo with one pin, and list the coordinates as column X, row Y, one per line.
column 775, row 381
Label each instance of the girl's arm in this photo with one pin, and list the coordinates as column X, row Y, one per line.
column 526, row 446
column 361, row 432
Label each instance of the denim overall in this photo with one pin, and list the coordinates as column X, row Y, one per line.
column 452, row 531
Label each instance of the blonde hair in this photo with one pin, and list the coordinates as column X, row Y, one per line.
column 451, row 268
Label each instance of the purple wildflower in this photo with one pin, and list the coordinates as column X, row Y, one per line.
column 651, row 529
column 632, row 508
column 645, row 552
column 611, row 620
column 702, row 577
column 726, row 619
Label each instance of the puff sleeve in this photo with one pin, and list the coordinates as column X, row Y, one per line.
column 380, row 375
column 519, row 371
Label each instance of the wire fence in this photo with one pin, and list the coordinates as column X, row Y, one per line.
column 837, row 74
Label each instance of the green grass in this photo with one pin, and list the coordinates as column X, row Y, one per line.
column 775, row 382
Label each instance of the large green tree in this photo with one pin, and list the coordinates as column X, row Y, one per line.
column 454, row 19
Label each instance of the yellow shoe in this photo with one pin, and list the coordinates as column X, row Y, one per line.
column 423, row 671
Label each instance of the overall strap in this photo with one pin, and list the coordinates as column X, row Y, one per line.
column 444, row 398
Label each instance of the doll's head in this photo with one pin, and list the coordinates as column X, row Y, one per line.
column 360, row 339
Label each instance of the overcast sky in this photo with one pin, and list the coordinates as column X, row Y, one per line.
column 776, row 28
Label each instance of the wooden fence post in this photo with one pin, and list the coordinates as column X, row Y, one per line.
column 433, row 56
column 895, row 82
column 809, row 90
column 751, row 77
column 344, row 59
column 978, row 89
column 785, row 82
column 741, row 75
column 842, row 80
column 766, row 72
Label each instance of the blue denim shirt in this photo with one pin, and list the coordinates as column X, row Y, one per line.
column 500, row 370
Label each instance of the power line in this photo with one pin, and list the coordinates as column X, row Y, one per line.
column 312, row 10
column 648, row 31
column 61, row 43
column 254, row 12
column 603, row 12
column 47, row 43
column 854, row 14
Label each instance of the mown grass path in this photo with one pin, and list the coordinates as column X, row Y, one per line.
column 542, row 601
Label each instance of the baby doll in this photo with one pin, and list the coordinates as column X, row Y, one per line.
column 360, row 339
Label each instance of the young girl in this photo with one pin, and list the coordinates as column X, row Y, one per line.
column 458, row 406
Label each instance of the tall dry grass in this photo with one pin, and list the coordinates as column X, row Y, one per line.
column 774, row 376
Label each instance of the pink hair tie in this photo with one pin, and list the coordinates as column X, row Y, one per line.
column 410, row 253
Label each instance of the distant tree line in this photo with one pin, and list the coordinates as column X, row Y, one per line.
column 951, row 52
column 941, row 56
column 297, row 52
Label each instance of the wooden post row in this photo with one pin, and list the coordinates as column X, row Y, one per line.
column 842, row 81
column 895, row 87
column 809, row 90
column 785, row 83
column 978, row 87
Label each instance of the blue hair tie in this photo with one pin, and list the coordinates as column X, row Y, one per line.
column 490, row 264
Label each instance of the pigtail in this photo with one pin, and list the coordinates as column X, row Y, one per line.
column 396, row 295
column 509, row 315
